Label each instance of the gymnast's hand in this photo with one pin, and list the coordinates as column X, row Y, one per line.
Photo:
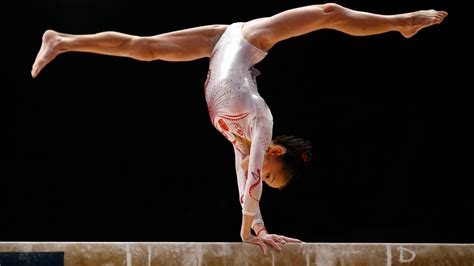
column 279, row 238
column 273, row 240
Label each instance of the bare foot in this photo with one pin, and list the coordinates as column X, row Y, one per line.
column 48, row 51
column 422, row 19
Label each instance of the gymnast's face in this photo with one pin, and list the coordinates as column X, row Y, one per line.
column 272, row 170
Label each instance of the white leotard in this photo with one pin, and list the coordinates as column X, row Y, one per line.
column 238, row 111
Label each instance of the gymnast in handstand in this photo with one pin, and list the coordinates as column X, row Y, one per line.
column 235, row 106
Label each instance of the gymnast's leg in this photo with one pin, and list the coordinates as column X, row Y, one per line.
column 183, row 45
column 266, row 32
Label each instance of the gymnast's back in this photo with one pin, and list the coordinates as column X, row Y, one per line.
column 231, row 89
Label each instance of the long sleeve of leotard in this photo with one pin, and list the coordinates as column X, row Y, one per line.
column 241, row 178
column 261, row 137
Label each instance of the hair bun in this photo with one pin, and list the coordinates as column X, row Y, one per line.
column 305, row 157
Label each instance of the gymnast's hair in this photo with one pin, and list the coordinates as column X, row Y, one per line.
column 296, row 158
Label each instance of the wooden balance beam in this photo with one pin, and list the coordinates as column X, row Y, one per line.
column 174, row 253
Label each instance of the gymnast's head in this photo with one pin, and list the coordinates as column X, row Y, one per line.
column 285, row 160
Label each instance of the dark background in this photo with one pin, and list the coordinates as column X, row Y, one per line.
column 102, row 148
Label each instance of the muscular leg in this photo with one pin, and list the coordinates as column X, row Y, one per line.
column 183, row 45
column 266, row 32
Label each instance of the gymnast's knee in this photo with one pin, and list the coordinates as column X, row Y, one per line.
column 332, row 8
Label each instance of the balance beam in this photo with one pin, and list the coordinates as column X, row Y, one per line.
column 197, row 253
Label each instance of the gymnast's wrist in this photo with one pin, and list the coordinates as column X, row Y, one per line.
column 260, row 230
column 244, row 235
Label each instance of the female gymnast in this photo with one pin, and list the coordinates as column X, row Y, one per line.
column 235, row 107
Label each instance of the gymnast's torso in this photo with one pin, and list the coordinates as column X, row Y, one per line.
column 231, row 91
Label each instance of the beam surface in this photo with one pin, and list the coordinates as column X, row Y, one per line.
column 197, row 253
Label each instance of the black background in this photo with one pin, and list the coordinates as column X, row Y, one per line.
column 101, row 148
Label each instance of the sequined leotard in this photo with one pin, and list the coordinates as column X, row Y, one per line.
column 238, row 111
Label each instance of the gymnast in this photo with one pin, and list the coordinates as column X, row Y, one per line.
column 235, row 106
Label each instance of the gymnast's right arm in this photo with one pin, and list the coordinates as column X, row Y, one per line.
column 257, row 224
column 182, row 45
